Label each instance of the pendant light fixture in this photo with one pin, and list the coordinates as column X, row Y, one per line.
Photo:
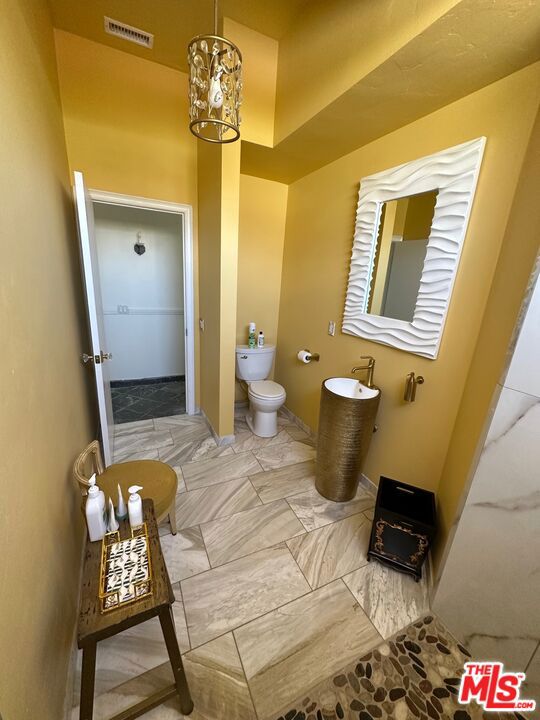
column 215, row 87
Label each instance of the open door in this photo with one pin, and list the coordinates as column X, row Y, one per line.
column 96, row 354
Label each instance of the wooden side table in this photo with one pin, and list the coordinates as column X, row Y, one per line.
column 95, row 625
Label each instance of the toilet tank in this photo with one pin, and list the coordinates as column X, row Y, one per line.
column 254, row 363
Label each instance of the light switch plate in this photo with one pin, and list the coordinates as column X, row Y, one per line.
column 332, row 328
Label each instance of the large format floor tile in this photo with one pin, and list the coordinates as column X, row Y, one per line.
column 248, row 441
column 289, row 480
column 332, row 551
column 175, row 423
column 296, row 646
column 275, row 456
column 196, row 446
column 391, row 599
column 315, row 511
column 250, row 525
column 131, row 456
column 186, row 443
column 216, row 682
column 220, row 600
column 138, row 426
column 297, row 433
column 125, row 445
column 184, row 554
column 216, row 470
column 249, row 531
column 209, row 503
column 132, row 652
column 134, row 691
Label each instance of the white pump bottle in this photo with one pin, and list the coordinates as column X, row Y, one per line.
column 95, row 512
column 100, row 494
column 135, row 506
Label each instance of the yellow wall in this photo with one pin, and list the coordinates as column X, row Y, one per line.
column 230, row 206
column 413, row 440
column 420, row 209
column 126, row 121
column 209, row 190
column 126, row 125
column 259, row 76
column 263, row 208
column 520, row 248
column 45, row 420
column 218, row 188
column 393, row 209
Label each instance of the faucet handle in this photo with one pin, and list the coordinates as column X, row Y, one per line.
column 367, row 357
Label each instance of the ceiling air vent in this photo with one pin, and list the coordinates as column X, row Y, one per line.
column 127, row 32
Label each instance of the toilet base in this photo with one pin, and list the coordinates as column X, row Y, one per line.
column 262, row 424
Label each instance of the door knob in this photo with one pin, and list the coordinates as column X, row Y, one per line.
column 85, row 357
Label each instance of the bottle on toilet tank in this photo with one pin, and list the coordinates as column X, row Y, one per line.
column 260, row 339
column 252, row 339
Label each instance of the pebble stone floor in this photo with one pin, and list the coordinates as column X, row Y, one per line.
column 414, row 675
column 274, row 594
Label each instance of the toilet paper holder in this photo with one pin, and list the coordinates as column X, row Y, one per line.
column 306, row 356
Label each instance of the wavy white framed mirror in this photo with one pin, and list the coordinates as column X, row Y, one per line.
column 411, row 221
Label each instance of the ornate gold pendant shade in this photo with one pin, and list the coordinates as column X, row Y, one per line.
column 215, row 87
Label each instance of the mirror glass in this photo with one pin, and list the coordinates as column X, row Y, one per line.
column 400, row 253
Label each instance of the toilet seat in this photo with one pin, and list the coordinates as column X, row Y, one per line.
column 266, row 390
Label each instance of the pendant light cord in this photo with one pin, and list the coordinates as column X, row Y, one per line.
column 215, row 17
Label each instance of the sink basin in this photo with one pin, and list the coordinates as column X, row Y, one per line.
column 350, row 388
column 345, row 431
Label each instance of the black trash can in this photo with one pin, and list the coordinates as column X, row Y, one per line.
column 404, row 526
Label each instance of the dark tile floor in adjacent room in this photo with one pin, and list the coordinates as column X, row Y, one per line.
column 148, row 400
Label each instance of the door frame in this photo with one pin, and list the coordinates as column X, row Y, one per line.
column 143, row 203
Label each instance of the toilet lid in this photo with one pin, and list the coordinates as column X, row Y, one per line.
column 266, row 389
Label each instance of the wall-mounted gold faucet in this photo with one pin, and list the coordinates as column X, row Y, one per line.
column 370, row 367
column 410, row 386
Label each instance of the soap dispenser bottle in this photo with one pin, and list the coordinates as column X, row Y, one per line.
column 135, row 506
column 260, row 339
column 95, row 513
column 100, row 494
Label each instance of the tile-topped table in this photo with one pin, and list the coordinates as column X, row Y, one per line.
column 95, row 625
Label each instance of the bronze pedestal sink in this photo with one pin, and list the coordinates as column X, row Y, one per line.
column 346, row 423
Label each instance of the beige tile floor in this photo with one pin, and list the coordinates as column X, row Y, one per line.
column 274, row 591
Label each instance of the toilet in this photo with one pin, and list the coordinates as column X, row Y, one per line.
column 253, row 366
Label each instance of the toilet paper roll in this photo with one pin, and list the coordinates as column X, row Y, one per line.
column 304, row 356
